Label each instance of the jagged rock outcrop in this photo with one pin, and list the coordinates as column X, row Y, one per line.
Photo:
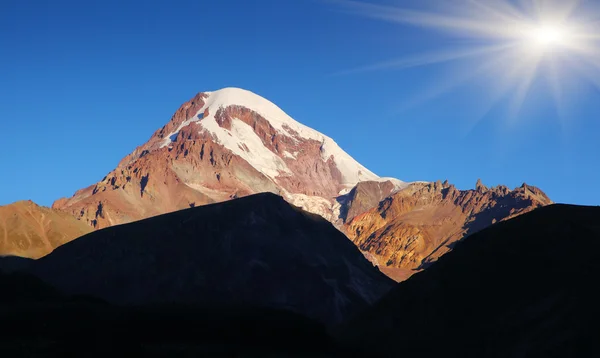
column 415, row 226
column 30, row 230
column 367, row 195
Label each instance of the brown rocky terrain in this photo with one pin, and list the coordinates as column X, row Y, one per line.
column 366, row 195
column 415, row 226
column 30, row 230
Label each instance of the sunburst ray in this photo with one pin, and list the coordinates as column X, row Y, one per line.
column 533, row 38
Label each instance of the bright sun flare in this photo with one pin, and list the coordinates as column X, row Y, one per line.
column 549, row 35
column 508, row 43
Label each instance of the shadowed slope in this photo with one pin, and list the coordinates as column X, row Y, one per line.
column 257, row 250
column 521, row 288
column 38, row 321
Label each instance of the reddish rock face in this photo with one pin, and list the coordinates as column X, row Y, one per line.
column 186, row 111
column 365, row 196
column 196, row 172
column 414, row 227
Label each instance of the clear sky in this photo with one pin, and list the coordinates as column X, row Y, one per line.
column 82, row 83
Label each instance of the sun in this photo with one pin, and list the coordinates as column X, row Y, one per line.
column 548, row 36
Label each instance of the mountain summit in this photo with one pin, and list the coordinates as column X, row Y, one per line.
column 221, row 145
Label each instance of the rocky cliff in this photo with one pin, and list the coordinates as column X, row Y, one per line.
column 415, row 226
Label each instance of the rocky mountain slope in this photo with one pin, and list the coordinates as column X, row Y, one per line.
column 415, row 226
column 524, row 287
column 366, row 195
column 258, row 250
column 221, row 145
column 27, row 229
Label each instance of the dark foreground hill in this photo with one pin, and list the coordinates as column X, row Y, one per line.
column 527, row 287
column 258, row 251
column 36, row 321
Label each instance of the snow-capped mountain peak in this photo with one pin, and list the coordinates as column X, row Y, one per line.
column 241, row 138
column 220, row 145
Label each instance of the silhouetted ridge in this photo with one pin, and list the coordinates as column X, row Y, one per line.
column 23, row 288
column 257, row 250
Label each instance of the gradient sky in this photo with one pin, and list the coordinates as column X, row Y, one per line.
column 82, row 83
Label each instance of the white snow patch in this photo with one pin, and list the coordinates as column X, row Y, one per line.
column 289, row 155
column 313, row 204
column 352, row 171
column 345, row 190
column 259, row 156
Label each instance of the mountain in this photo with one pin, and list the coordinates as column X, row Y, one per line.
column 217, row 146
column 233, row 143
column 524, row 287
column 413, row 227
column 258, row 250
column 29, row 230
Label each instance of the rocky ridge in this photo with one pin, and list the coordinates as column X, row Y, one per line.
column 412, row 228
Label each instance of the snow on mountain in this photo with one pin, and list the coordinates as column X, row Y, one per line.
column 243, row 141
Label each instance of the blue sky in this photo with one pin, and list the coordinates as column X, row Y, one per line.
column 84, row 82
